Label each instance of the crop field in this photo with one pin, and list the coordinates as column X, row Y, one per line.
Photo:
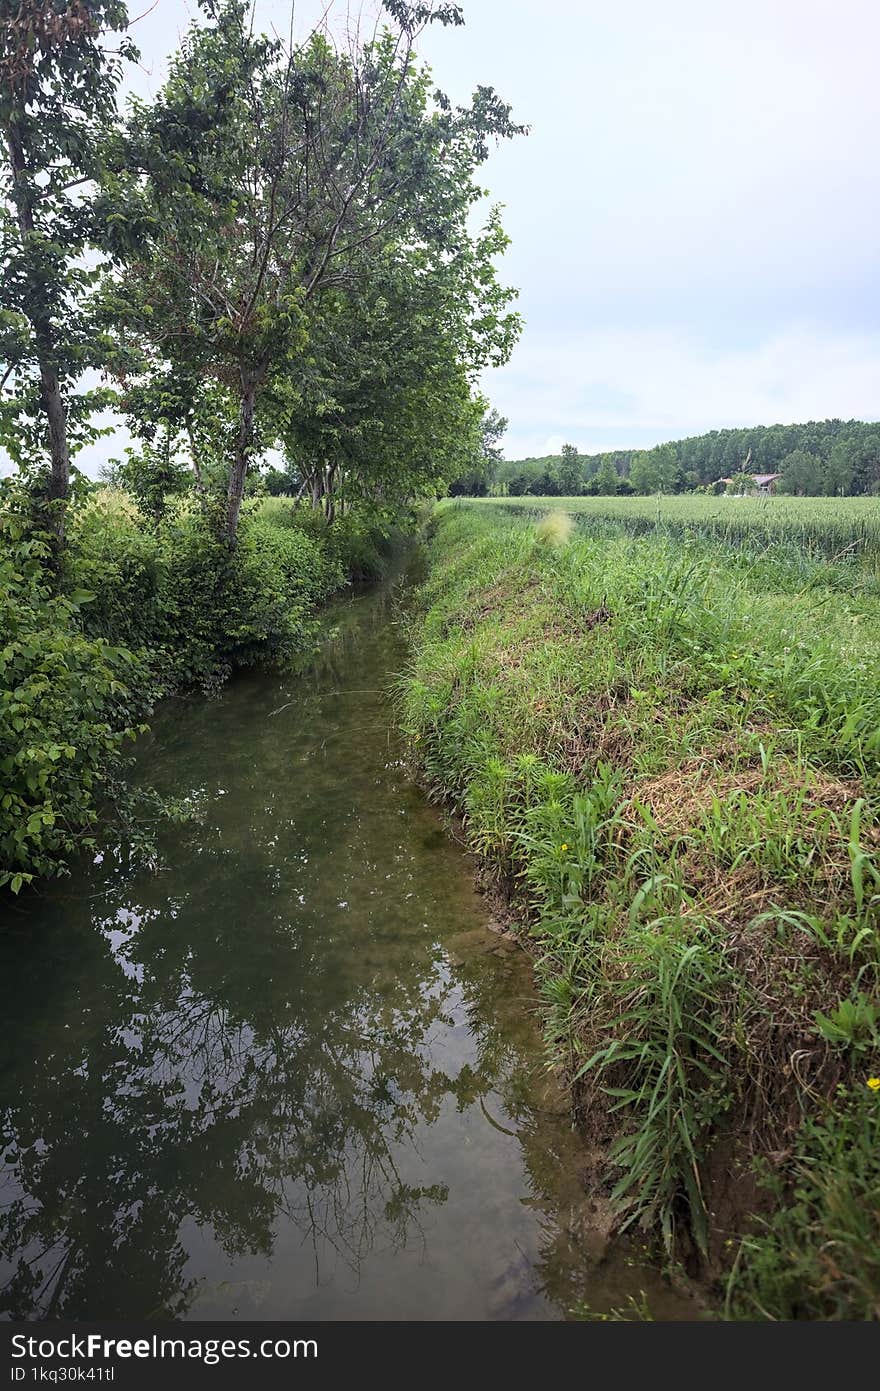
column 838, row 529
column 666, row 753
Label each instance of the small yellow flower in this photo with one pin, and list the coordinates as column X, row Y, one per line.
column 874, row 1084
column 563, row 846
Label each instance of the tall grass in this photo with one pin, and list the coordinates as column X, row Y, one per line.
column 670, row 761
column 844, row 530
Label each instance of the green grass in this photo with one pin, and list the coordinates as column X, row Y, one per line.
column 667, row 750
column 845, row 531
column 817, row 1255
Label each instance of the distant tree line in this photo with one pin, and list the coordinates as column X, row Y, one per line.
column 829, row 457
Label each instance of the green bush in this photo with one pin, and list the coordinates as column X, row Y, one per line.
column 276, row 577
column 114, row 555
column 173, row 590
column 356, row 543
column 147, row 604
column 68, row 701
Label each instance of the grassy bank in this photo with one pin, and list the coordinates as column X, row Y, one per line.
column 142, row 608
column 666, row 751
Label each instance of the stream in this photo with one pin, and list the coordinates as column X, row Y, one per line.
column 283, row 1069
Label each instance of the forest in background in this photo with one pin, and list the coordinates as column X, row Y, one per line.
column 833, row 458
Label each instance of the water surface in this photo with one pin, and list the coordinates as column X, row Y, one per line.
column 285, row 1071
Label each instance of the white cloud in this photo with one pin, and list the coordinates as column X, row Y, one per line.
column 612, row 389
column 606, row 389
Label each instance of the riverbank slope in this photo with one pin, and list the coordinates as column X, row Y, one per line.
column 666, row 754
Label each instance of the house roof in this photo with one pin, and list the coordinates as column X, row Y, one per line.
column 762, row 479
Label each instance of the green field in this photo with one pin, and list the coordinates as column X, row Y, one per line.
column 667, row 754
column 840, row 529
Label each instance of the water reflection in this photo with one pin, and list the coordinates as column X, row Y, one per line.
column 286, row 1072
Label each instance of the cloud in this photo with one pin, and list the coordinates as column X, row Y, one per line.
column 603, row 390
column 616, row 389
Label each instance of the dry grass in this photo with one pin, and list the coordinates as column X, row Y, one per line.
column 679, row 798
column 555, row 529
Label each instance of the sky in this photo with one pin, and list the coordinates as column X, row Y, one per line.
column 693, row 214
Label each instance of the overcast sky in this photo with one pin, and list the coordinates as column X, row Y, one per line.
column 694, row 214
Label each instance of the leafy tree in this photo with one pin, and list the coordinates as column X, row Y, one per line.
column 480, row 475
column 667, row 465
column 801, row 473
column 655, row 470
column 854, row 464
column 741, row 484
column 284, row 482
column 383, row 406
column 192, row 415
column 571, row 478
column 643, row 473
column 518, row 484
column 840, row 469
column 152, row 474
column 607, row 480
column 271, row 176
column 58, row 84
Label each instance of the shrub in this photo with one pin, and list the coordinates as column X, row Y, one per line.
column 117, row 558
column 68, row 701
column 148, row 604
column 172, row 589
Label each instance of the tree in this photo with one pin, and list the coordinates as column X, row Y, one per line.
column 801, row 474
column 570, row 473
column 840, row 469
column 667, row 467
column 383, row 407
column 151, row 474
column 607, row 480
column 480, row 475
column 270, row 176
column 57, row 90
column 191, row 413
column 741, row 484
column 854, row 464
column 643, row 473
column 284, row 482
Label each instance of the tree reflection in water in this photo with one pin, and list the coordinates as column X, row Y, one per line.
column 144, row 1095
column 286, row 1055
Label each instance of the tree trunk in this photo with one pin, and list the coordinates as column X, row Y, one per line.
column 50, row 387
column 300, row 491
column 56, row 415
column 315, row 485
column 329, row 499
column 243, row 445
